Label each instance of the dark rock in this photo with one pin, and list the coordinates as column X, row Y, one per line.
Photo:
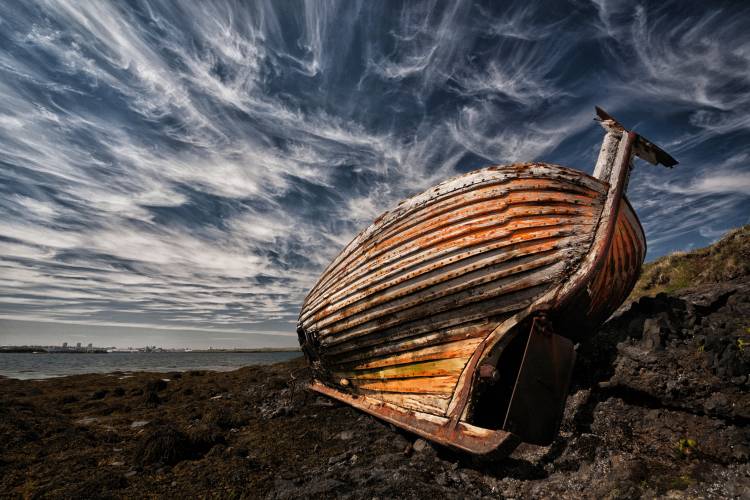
column 155, row 385
column 635, row 327
column 317, row 488
column 98, row 484
column 345, row 435
column 203, row 437
column 388, row 459
column 280, row 411
column 100, row 394
column 420, row 445
column 217, row 451
column 151, row 399
column 338, row 458
column 655, row 331
column 716, row 403
column 164, row 444
column 741, row 452
column 223, row 417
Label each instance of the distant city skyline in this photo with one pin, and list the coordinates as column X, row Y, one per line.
column 14, row 332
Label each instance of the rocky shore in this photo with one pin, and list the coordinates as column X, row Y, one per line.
column 659, row 407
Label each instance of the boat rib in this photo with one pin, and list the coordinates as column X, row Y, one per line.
column 400, row 311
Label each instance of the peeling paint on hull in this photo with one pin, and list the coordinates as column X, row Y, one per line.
column 400, row 311
column 439, row 313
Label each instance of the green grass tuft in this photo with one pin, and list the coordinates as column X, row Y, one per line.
column 725, row 260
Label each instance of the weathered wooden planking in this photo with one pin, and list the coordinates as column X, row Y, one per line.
column 460, row 190
column 414, row 318
column 462, row 436
column 399, row 313
column 519, row 224
column 617, row 277
column 434, row 404
column 456, row 349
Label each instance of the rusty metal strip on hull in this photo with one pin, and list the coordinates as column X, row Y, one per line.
column 465, row 437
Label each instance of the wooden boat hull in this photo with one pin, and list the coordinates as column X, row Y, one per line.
column 610, row 285
column 401, row 321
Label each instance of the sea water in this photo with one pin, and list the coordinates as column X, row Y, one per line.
column 45, row 365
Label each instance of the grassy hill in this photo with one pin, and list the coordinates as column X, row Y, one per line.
column 726, row 260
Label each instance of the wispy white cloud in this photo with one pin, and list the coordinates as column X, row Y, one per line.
column 197, row 165
column 42, row 319
column 726, row 182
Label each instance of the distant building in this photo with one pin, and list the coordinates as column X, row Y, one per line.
column 65, row 345
column 90, row 345
column 78, row 345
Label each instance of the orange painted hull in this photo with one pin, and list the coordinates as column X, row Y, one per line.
column 611, row 284
column 400, row 321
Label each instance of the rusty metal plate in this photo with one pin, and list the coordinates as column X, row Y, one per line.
column 539, row 395
column 456, row 435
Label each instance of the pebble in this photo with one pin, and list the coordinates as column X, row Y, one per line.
column 338, row 458
column 345, row 435
column 420, row 445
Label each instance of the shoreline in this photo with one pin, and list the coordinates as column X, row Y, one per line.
column 40, row 350
column 658, row 407
column 31, row 366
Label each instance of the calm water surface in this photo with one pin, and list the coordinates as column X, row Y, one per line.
column 45, row 365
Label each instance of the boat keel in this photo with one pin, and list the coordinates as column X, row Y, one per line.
column 457, row 435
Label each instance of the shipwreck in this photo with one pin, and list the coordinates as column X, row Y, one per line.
column 454, row 315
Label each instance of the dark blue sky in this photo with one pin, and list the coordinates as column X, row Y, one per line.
column 180, row 173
